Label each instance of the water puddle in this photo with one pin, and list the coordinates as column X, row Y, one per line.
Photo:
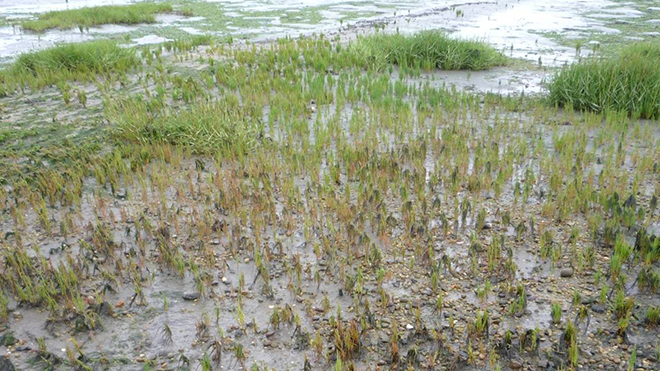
column 191, row 30
column 10, row 7
column 150, row 39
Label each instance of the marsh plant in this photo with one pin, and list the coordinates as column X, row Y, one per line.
column 426, row 50
column 320, row 206
column 629, row 83
column 57, row 65
column 86, row 17
column 555, row 311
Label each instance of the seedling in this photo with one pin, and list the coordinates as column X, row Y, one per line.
column 652, row 317
column 556, row 313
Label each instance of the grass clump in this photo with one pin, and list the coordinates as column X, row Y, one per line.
column 204, row 127
column 98, row 15
column 81, row 61
column 555, row 311
column 652, row 318
column 427, row 50
column 629, row 83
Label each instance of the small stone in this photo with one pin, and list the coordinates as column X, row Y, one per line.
column 190, row 295
column 566, row 272
column 120, row 304
column 409, row 327
column 598, row 308
column 588, row 300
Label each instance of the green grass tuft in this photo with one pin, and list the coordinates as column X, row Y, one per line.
column 203, row 128
column 98, row 15
column 82, row 62
column 427, row 50
column 628, row 83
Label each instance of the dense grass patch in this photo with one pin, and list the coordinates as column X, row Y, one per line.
column 81, row 61
column 428, row 49
column 203, row 127
column 629, row 83
column 98, row 15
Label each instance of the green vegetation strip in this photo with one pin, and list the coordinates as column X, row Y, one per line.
column 628, row 83
column 429, row 49
column 82, row 62
column 204, row 127
column 99, row 15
